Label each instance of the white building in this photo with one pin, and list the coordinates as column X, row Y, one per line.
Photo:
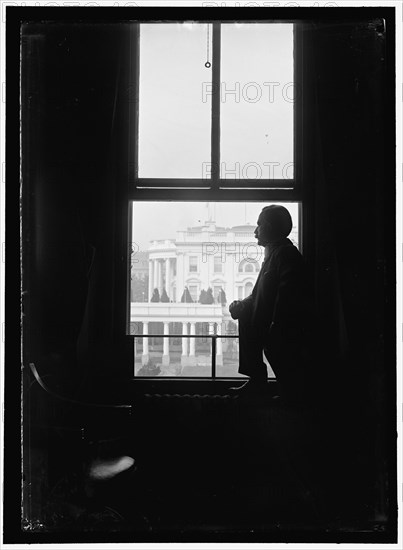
column 206, row 256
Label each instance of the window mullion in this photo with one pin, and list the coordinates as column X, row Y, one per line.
column 215, row 106
column 134, row 87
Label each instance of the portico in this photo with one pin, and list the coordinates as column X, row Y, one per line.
column 187, row 314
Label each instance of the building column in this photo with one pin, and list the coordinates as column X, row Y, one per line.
column 184, row 358
column 157, row 278
column 150, row 278
column 192, row 345
column 155, row 272
column 168, row 277
column 218, row 359
column 165, row 352
column 160, row 284
column 180, row 282
column 230, row 268
column 145, row 356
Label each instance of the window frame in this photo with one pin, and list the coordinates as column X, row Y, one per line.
column 217, row 188
column 214, row 189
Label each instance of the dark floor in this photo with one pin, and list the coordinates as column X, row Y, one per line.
column 205, row 466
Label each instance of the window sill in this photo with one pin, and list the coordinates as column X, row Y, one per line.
column 204, row 386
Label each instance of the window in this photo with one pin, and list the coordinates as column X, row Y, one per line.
column 249, row 265
column 230, row 124
column 193, row 264
column 217, row 264
column 214, row 145
column 174, row 124
column 257, row 101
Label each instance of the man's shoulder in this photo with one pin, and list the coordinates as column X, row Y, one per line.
column 287, row 250
column 288, row 257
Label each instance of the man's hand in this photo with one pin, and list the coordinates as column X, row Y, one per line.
column 235, row 309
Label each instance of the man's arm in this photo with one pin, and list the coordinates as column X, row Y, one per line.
column 241, row 308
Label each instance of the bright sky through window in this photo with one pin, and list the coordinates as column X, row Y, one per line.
column 174, row 122
column 257, row 94
column 256, row 101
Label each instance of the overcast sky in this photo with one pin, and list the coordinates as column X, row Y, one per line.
column 175, row 99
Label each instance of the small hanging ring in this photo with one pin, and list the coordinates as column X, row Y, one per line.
column 207, row 64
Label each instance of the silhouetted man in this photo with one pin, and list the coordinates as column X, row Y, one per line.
column 275, row 318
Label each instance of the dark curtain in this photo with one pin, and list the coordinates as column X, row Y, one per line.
column 350, row 188
column 75, row 103
column 351, row 205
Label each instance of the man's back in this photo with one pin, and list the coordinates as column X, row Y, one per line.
column 280, row 294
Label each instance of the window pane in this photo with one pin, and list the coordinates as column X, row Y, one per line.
column 173, row 357
column 193, row 264
column 227, row 361
column 257, row 94
column 217, row 264
column 174, row 120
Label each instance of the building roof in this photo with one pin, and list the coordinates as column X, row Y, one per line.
column 245, row 227
column 220, row 229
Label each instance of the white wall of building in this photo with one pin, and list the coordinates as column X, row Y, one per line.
column 169, row 260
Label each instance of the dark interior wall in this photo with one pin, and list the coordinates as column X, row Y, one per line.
column 76, row 105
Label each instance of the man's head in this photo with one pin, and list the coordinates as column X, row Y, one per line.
column 274, row 223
